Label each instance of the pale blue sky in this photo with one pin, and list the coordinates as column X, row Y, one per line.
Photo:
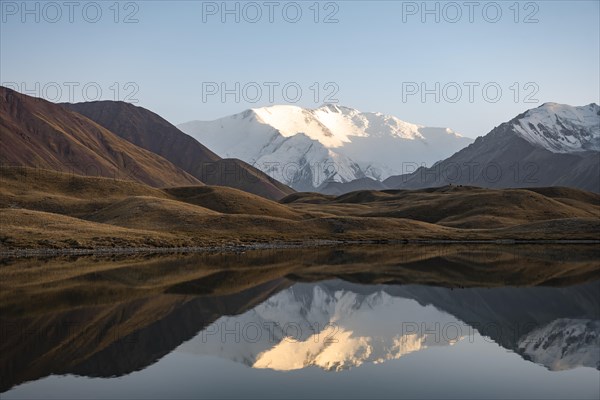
column 368, row 54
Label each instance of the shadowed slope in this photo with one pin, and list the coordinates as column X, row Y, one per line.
column 37, row 133
column 503, row 159
column 149, row 131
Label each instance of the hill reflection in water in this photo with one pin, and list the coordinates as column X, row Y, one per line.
column 333, row 309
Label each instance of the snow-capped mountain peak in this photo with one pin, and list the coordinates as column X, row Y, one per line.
column 561, row 128
column 291, row 120
column 305, row 147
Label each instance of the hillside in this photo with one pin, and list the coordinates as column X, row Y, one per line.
column 461, row 207
column 151, row 132
column 231, row 201
column 338, row 188
column 79, row 196
column 45, row 209
column 40, row 134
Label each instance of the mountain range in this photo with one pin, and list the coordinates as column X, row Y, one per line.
column 335, row 149
column 118, row 140
column 331, row 149
column 305, row 148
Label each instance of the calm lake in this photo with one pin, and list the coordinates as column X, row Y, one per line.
column 362, row 322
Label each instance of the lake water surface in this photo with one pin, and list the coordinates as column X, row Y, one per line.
column 353, row 323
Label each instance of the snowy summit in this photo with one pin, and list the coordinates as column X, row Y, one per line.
column 306, row 147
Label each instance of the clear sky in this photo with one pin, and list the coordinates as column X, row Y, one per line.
column 174, row 57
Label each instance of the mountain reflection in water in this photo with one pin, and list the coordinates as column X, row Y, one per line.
column 336, row 325
column 292, row 310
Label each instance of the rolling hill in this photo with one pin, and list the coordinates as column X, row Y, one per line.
column 461, row 207
column 79, row 196
column 48, row 209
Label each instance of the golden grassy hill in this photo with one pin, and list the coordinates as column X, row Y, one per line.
column 232, row 201
column 67, row 194
column 307, row 197
column 75, row 195
column 53, row 210
column 461, row 207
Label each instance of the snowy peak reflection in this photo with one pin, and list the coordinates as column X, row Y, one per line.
column 564, row 344
column 317, row 325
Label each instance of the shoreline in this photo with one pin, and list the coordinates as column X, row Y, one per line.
column 236, row 248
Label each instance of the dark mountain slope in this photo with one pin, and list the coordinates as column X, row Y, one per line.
column 552, row 145
column 40, row 134
column 152, row 132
